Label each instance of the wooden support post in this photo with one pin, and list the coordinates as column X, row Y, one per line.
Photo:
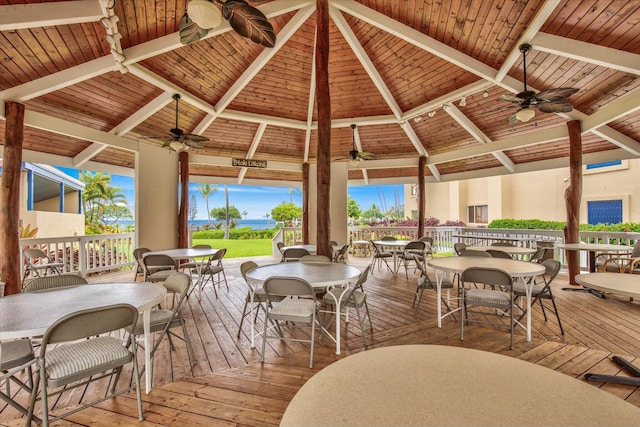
column 324, row 129
column 305, row 203
column 183, row 213
column 420, row 196
column 11, row 259
column 572, row 197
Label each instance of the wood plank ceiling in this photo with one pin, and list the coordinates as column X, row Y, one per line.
column 398, row 70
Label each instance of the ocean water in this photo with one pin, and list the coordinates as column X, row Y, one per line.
column 255, row 224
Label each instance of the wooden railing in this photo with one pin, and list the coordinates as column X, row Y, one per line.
column 445, row 237
column 87, row 254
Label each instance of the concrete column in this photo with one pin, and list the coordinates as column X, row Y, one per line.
column 156, row 182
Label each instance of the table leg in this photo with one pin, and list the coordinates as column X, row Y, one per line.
column 438, row 297
column 528, row 290
column 253, row 319
column 146, row 322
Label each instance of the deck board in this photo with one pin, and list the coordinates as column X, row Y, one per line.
column 229, row 385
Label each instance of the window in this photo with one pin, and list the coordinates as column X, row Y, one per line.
column 478, row 214
column 604, row 212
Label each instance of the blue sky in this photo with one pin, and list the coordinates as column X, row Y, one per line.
column 259, row 200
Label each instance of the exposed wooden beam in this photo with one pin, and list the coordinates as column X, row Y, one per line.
column 411, row 134
column 88, row 153
column 202, row 159
column 505, row 160
column 588, row 52
column 467, row 124
column 252, row 149
column 619, row 107
column 22, row 16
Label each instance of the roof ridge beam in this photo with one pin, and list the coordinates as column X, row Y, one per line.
column 252, row 150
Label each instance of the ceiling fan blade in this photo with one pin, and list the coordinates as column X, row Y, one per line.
column 167, row 143
column 512, row 118
column 510, row 98
column 367, row 156
column 193, row 144
column 193, row 137
column 555, row 107
column 557, row 94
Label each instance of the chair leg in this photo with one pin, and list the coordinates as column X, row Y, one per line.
column 555, row 308
column 187, row 341
column 244, row 313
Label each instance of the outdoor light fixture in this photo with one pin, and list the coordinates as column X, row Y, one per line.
column 463, row 101
column 204, row 13
column 431, row 114
column 485, row 94
column 446, row 107
column 178, row 146
column 525, row 114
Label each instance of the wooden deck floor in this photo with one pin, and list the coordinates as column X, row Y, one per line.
column 229, row 385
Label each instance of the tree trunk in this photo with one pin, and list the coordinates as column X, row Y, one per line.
column 11, row 259
column 324, row 129
column 226, row 198
column 572, row 198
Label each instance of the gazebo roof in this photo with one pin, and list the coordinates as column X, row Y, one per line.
column 398, row 70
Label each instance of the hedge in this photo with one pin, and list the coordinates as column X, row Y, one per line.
column 536, row 224
column 244, row 233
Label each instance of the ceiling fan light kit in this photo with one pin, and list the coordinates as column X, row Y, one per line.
column 204, row 14
column 525, row 114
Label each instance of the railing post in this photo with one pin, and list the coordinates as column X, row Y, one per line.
column 82, row 255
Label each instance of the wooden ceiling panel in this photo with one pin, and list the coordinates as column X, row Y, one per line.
column 469, row 164
column 100, row 103
column 629, row 125
column 392, row 173
column 116, row 157
column 51, row 143
column 557, row 149
column 272, row 175
column 217, row 171
column 280, row 143
column 282, row 87
column 441, row 133
column 144, row 20
column 614, row 24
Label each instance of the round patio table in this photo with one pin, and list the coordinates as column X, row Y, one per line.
column 439, row 385
column 320, row 276
column 29, row 314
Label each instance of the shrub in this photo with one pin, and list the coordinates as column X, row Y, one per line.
column 243, row 233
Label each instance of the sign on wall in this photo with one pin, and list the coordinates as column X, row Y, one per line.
column 249, row 163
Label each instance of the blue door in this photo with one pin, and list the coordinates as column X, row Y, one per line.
column 604, row 212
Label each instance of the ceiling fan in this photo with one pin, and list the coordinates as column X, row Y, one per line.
column 547, row 101
column 354, row 155
column 181, row 141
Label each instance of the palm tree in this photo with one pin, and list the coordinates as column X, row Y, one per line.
column 207, row 190
column 94, row 194
column 226, row 197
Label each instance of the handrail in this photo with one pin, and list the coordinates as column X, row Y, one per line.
column 87, row 254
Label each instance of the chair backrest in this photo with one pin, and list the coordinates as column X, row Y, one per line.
column 459, row 248
column 415, row 245
column 219, row 255
column 177, row 283
column 287, row 286
column 315, row 259
column 509, row 244
column 280, row 245
column 46, row 283
column 295, row 253
column 158, row 260
column 636, row 250
column 333, row 243
column 89, row 323
column 475, row 253
column 340, row 254
column 388, row 238
column 498, row 254
column 551, row 269
column 487, row 276
column 427, row 239
column 245, row 267
column 138, row 252
column 33, row 253
column 538, row 255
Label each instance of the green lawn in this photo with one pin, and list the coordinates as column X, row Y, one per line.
column 239, row 248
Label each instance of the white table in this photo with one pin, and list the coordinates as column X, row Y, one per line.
column 519, row 270
column 320, row 276
column 188, row 253
column 618, row 284
column 418, row 385
column 592, row 248
column 518, row 251
column 396, row 246
column 31, row 313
